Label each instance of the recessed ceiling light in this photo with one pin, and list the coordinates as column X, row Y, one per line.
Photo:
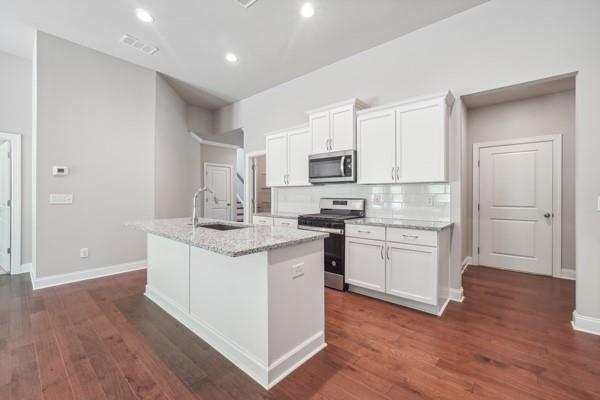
column 232, row 58
column 307, row 10
column 143, row 15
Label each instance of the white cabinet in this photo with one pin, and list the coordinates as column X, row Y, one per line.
column 287, row 157
column 405, row 142
column 260, row 220
column 365, row 263
column 404, row 266
column 411, row 272
column 333, row 128
column 285, row 222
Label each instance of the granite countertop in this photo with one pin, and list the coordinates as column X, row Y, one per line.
column 286, row 215
column 402, row 223
column 233, row 243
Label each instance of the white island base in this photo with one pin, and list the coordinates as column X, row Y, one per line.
column 263, row 311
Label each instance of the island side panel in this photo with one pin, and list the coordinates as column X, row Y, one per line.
column 229, row 305
column 296, row 307
column 168, row 273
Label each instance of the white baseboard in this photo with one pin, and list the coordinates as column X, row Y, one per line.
column 22, row 269
column 456, row 294
column 466, row 262
column 62, row 279
column 586, row 324
column 266, row 376
column 567, row 274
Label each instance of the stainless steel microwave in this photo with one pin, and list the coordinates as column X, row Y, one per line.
column 339, row 166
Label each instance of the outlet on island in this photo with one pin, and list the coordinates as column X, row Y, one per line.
column 297, row 270
column 84, row 252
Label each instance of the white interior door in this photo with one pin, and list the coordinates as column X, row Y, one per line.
column 218, row 178
column 5, row 198
column 516, row 210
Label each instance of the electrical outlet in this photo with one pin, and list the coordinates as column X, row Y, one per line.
column 297, row 270
column 598, row 203
column 84, row 252
column 429, row 200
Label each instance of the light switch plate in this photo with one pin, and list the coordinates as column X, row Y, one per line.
column 429, row 200
column 61, row 198
column 598, row 203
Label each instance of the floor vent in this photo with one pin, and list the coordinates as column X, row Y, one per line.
column 136, row 43
column 245, row 3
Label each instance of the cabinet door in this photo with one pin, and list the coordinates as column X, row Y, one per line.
column 277, row 159
column 422, row 143
column 412, row 272
column 365, row 263
column 343, row 128
column 320, row 132
column 377, row 147
column 298, row 151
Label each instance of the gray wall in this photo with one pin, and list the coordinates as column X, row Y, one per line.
column 538, row 116
column 95, row 114
column 497, row 44
column 177, row 156
column 202, row 122
column 15, row 117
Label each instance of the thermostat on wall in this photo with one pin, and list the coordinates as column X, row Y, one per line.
column 60, row 171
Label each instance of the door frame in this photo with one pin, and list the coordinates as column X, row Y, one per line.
column 15, row 209
column 556, row 141
column 231, row 182
column 248, row 212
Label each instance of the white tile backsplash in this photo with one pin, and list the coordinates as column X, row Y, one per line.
column 408, row 201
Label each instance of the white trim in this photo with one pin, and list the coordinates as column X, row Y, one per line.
column 249, row 211
column 556, row 194
column 586, row 324
column 15, row 200
column 456, row 294
column 286, row 130
column 22, row 269
column 448, row 98
column 266, row 376
column 416, row 305
column 232, row 209
column 466, row 262
column 200, row 140
column 62, row 279
column 567, row 274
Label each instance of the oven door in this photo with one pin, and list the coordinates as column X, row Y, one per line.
column 335, row 268
column 332, row 167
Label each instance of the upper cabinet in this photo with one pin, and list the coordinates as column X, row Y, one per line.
column 405, row 142
column 333, row 128
column 287, row 157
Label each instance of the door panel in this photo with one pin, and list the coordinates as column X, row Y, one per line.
column 5, row 196
column 298, row 151
column 342, row 128
column 218, row 178
column 515, row 190
column 412, row 272
column 276, row 159
column 365, row 263
column 377, row 147
column 320, row 132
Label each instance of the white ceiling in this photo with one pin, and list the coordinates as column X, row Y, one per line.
column 273, row 42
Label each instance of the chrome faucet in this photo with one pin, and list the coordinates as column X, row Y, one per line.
column 195, row 201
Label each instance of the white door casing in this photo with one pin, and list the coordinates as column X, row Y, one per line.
column 218, row 177
column 5, row 206
column 516, row 206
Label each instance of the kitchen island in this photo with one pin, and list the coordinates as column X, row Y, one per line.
column 254, row 293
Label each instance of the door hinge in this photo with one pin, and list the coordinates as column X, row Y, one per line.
column 478, row 250
column 8, row 251
column 478, row 207
column 478, row 163
column 8, row 203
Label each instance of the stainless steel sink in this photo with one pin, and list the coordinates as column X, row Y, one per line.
column 221, row 227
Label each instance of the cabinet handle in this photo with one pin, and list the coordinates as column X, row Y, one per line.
column 367, row 232
column 388, row 253
column 410, row 236
column 393, row 169
column 398, row 174
column 382, row 252
column 284, row 223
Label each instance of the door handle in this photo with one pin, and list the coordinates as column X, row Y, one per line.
column 547, row 215
column 342, row 166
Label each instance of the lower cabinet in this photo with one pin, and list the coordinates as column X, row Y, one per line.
column 412, row 271
column 285, row 222
column 365, row 263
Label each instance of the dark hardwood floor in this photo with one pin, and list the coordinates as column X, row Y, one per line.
column 510, row 339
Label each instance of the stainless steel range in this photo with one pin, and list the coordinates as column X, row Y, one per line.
column 331, row 220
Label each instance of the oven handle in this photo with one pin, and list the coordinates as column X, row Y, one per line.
column 342, row 159
column 319, row 229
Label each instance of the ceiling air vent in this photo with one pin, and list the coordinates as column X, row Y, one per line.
column 245, row 3
column 136, row 43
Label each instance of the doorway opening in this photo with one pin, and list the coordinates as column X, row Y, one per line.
column 520, row 171
column 258, row 194
column 10, row 203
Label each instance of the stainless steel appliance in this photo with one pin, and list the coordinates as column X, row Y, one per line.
column 339, row 166
column 331, row 220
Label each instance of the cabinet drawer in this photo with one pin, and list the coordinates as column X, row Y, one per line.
column 258, row 220
column 412, row 236
column 285, row 222
column 366, row 231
